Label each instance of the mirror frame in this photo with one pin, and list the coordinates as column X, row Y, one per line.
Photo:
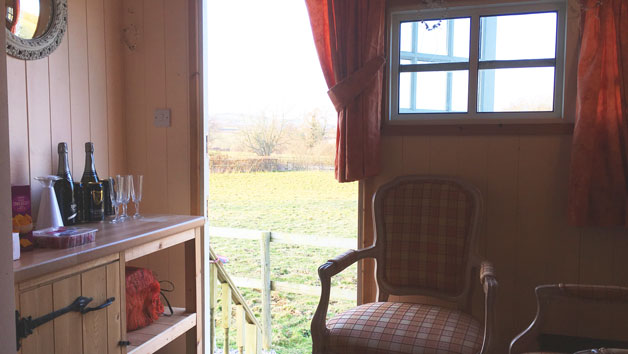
column 32, row 49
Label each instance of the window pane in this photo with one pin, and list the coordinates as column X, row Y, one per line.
column 433, row 91
column 437, row 41
column 516, row 90
column 512, row 37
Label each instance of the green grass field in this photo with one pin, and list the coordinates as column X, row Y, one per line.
column 309, row 202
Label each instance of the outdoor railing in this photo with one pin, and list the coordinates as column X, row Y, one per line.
column 265, row 283
column 248, row 329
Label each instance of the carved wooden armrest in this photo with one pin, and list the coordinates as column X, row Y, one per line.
column 489, row 283
column 325, row 272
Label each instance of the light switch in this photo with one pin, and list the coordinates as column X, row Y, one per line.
column 162, row 117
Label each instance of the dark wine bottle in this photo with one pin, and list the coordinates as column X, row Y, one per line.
column 93, row 201
column 64, row 188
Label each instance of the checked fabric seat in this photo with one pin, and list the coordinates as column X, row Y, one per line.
column 425, row 232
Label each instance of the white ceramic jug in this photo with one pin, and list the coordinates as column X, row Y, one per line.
column 49, row 214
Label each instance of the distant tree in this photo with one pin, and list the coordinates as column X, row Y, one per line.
column 315, row 129
column 264, row 136
column 212, row 130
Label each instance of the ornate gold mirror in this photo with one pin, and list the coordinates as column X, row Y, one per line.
column 34, row 27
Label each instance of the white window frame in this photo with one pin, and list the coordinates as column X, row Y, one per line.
column 473, row 66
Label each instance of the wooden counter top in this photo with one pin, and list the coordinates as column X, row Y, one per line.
column 110, row 239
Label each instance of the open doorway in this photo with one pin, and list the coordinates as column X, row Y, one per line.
column 272, row 133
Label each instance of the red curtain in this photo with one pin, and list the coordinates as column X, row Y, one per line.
column 598, row 184
column 349, row 37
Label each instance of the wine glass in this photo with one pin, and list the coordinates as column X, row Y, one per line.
column 120, row 183
column 114, row 190
column 136, row 194
column 126, row 194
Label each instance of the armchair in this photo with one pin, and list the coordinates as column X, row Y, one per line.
column 528, row 341
column 425, row 241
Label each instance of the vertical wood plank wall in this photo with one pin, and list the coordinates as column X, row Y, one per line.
column 97, row 87
column 74, row 95
column 7, row 294
column 523, row 180
column 158, row 76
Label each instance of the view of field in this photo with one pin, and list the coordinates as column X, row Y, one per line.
column 298, row 202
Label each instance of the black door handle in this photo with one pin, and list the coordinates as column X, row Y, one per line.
column 25, row 326
column 107, row 302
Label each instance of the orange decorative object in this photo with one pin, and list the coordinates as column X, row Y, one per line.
column 143, row 305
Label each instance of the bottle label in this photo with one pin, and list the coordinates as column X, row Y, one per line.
column 94, row 202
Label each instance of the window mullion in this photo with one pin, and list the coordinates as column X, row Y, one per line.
column 474, row 54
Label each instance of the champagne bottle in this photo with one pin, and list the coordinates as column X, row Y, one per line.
column 93, row 201
column 64, row 188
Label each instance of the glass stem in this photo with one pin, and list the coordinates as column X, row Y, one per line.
column 137, row 208
column 124, row 210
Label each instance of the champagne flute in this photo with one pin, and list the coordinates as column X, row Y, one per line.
column 126, row 194
column 114, row 190
column 120, row 183
column 136, row 194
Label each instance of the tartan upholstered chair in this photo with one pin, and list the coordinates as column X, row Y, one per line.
column 425, row 233
column 531, row 340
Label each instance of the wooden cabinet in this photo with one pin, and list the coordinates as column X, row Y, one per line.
column 97, row 331
column 47, row 280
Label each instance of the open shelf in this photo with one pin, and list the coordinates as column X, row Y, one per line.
column 161, row 332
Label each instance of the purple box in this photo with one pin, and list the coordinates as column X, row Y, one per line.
column 22, row 219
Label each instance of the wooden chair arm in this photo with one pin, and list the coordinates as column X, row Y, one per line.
column 585, row 292
column 341, row 262
column 325, row 272
column 486, row 270
column 489, row 284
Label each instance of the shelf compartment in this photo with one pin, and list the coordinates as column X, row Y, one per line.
column 161, row 332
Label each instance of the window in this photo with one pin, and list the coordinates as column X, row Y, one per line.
column 478, row 64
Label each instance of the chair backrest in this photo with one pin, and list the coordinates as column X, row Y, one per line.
column 425, row 232
column 592, row 303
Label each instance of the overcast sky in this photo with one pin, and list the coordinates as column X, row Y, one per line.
column 262, row 58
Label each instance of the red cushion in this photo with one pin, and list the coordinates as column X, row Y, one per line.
column 400, row 328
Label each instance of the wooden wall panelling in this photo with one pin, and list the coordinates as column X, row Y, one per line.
column 60, row 117
column 115, row 86
column 64, row 97
column 546, row 251
column 18, row 121
column 7, row 292
column 415, row 155
column 392, row 163
column 177, row 99
column 472, row 166
column 35, row 303
column 135, row 95
column 596, row 267
column 156, row 170
column 443, row 155
column 68, row 326
column 38, row 100
column 79, row 85
column 501, row 229
column 96, row 60
column 176, row 258
column 94, row 285
column 620, row 277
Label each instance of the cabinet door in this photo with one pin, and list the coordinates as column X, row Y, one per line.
column 94, row 332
